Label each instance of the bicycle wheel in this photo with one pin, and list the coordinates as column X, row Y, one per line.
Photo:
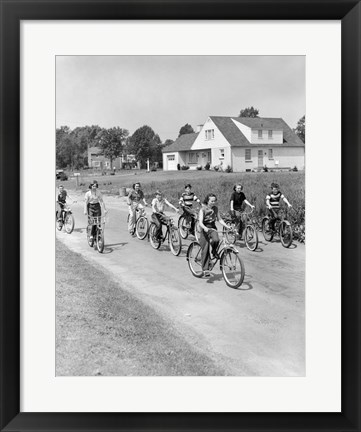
column 69, row 223
column 194, row 255
column 231, row 234
column 154, row 241
column 232, row 268
column 266, row 229
column 197, row 231
column 251, row 237
column 175, row 241
column 141, row 228
column 100, row 240
column 88, row 235
column 183, row 227
column 286, row 234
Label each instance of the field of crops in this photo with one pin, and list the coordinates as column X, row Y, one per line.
column 256, row 187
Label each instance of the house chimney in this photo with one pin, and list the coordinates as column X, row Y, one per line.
column 199, row 127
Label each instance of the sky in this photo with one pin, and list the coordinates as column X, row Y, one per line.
column 166, row 92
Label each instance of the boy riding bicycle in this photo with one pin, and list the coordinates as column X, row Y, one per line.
column 186, row 202
column 158, row 215
column 273, row 203
column 61, row 197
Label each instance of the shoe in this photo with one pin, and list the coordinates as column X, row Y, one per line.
column 91, row 238
column 206, row 274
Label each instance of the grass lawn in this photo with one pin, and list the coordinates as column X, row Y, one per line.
column 103, row 330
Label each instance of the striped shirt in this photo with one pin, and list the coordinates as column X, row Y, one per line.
column 187, row 198
column 274, row 199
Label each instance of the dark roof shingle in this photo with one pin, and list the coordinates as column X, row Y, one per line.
column 182, row 143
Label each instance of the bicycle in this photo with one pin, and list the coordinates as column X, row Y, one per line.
column 185, row 223
column 141, row 225
column 171, row 233
column 66, row 219
column 231, row 264
column 282, row 227
column 98, row 239
column 249, row 234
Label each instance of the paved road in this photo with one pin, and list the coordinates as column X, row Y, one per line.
column 256, row 330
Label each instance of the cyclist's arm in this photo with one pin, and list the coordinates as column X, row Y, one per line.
column 86, row 204
column 170, row 205
column 268, row 205
column 204, row 228
column 153, row 207
column 249, row 204
column 195, row 198
column 221, row 221
column 286, row 201
column 232, row 209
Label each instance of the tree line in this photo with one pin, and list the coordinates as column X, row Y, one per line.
column 72, row 145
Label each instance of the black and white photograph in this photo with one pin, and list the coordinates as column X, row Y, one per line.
column 180, row 215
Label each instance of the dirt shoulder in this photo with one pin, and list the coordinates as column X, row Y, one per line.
column 103, row 330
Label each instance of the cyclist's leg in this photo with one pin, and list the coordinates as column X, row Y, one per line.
column 239, row 223
column 214, row 239
column 204, row 242
column 94, row 210
column 155, row 219
column 273, row 216
column 132, row 215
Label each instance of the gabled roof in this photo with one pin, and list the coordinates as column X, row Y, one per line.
column 289, row 137
column 182, row 143
column 235, row 137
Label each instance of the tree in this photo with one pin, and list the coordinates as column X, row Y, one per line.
column 145, row 144
column 300, row 130
column 249, row 112
column 83, row 138
column 111, row 142
column 168, row 142
column 186, row 129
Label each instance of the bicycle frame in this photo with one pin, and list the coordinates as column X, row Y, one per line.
column 223, row 245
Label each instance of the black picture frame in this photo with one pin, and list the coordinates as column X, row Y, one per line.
column 12, row 12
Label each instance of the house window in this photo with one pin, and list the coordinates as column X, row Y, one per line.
column 209, row 134
column 248, row 155
column 221, row 156
column 192, row 158
column 171, row 158
column 107, row 164
column 260, row 134
column 96, row 163
column 270, row 153
column 270, row 134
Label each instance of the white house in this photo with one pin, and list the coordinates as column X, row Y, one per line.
column 243, row 143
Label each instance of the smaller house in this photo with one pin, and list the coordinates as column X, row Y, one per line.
column 244, row 144
column 98, row 161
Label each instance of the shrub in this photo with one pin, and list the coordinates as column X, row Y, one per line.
column 185, row 167
column 153, row 168
column 199, row 167
column 178, row 167
column 265, row 169
column 216, row 167
column 229, row 169
column 295, row 168
column 207, row 166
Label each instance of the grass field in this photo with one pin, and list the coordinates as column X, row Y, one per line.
column 171, row 183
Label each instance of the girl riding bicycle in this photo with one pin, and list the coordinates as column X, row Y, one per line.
column 92, row 203
column 158, row 207
column 134, row 199
column 237, row 199
column 208, row 215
